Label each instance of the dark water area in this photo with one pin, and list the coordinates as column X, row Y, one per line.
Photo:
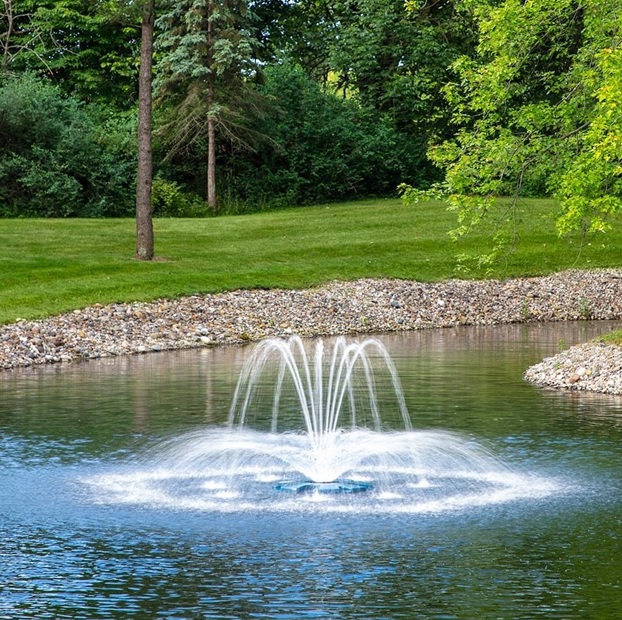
column 70, row 549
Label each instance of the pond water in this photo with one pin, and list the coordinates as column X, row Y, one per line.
column 74, row 547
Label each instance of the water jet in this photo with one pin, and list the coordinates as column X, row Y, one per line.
column 310, row 421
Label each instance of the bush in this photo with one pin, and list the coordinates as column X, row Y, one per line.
column 61, row 158
column 321, row 147
column 170, row 201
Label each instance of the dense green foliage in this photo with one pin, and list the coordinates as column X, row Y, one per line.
column 539, row 110
column 86, row 46
column 321, row 147
column 397, row 61
column 54, row 265
column 310, row 101
column 59, row 157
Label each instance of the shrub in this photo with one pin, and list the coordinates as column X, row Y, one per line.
column 61, row 158
column 170, row 201
column 321, row 147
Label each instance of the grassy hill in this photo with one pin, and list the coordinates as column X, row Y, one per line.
column 51, row 266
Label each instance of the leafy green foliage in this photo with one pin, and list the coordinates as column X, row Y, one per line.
column 81, row 45
column 358, row 90
column 169, row 200
column 391, row 61
column 60, row 158
column 322, row 147
column 539, row 109
column 397, row 60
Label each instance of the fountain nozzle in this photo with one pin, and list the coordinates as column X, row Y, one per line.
column 336, row 486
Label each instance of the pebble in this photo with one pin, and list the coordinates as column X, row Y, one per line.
column 338, row 308
column 591, row 366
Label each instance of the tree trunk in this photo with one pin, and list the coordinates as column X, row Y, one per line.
column 211, row 164
column 211, row 121
column 144, row 208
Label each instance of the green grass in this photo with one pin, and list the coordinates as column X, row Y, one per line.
column 51, row 266
column 613, row 337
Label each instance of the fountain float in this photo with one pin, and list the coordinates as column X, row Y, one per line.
column 316, row 427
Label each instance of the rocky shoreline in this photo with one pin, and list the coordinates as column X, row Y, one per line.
column 591, row 367
column 362, row 306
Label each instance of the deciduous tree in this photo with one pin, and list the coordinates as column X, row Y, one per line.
column 540, row 110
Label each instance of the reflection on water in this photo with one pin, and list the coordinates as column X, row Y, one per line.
column 63, row 555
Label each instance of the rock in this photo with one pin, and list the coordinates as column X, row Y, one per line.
column 338, row 308
column 589, row 366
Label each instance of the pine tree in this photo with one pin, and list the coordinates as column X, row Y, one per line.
column 204, row 68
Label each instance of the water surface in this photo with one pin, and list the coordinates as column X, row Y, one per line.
column 67, row 552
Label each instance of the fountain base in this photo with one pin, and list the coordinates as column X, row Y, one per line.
column 337, row 486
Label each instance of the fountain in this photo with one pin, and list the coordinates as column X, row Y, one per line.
column 323, row 425
column 126, row 487
column 326, row 407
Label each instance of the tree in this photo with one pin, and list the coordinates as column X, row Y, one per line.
column 78, row 45
column 126, row 14
column 144, row 180
column 204, row 70
column 540, row 111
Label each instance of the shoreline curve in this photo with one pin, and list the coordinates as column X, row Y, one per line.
column 338, row 308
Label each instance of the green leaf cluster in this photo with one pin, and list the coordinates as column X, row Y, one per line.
column 539, row 113
column 78, row 43
column 321, row 148
column 60, row 158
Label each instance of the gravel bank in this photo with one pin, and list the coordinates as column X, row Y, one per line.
column 591, row 367
column 358, row 307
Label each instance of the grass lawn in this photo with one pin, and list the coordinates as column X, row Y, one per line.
column 51, row 266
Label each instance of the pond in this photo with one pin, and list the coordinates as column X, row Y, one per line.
column 75, row 546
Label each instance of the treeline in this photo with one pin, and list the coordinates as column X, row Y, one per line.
column 309, row 101
column 290, row 102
